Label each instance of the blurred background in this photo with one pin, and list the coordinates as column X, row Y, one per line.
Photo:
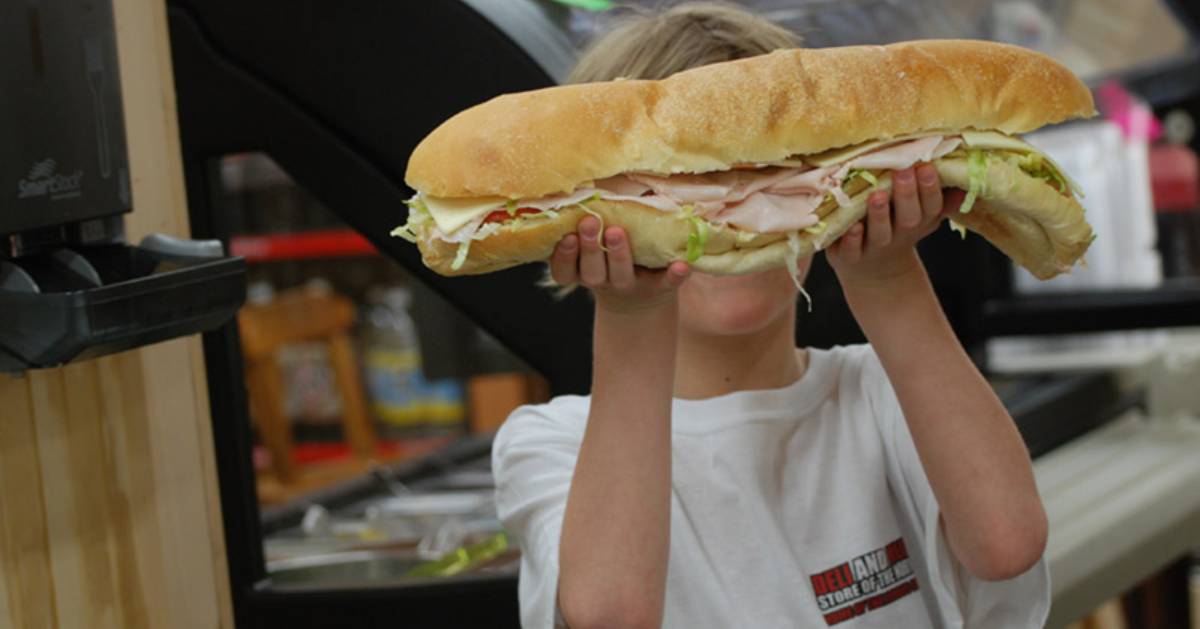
column 295, row 158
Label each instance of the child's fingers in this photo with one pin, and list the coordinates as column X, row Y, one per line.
column 849, row 246
column 620, row 260
column 564, row 263
column 879, row 221
column 905, row 199
column 592, row 268
column 675, row 274
column 930, row 189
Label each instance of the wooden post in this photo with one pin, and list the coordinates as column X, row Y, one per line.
column 356, row 420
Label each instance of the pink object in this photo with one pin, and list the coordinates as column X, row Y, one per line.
column 1175, row 178
column 1136, row 120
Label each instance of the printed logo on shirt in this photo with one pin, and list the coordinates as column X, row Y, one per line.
column 865, row 583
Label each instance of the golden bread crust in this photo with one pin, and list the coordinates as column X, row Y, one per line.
column 765, row 108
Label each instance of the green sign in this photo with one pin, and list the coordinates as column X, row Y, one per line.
column 590, row 5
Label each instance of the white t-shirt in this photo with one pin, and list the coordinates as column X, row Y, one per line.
column 804, row 506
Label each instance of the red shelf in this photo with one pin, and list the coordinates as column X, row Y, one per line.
column 301, row 246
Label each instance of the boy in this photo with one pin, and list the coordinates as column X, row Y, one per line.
column 719, row 477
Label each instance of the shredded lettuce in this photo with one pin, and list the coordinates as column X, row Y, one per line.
column 819, row 228
column 460, row 257
column 516, row 221
column 858, row 172
column 793, row 243
column 417, row 205
column 511, row 206
column 580, row 205
column 546, row 213
column 697, row 239
column 958, row 227
column 977, row 168
column 1036, row 165
column 404, row 232
column 1030, row 162
column 487, row 230
column 744, row 237
column 418, row 216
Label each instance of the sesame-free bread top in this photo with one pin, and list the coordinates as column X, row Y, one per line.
column 766, row 108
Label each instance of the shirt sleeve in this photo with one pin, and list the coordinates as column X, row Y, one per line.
column 533, row 458
column 963, row 599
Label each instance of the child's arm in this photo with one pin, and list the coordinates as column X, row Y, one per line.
column 615, row 532
column 974, row 457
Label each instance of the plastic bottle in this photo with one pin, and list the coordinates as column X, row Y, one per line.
column 392, row 359
column 310, row 395
column 445, row 406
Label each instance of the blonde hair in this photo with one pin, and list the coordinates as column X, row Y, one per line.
column 645, row 45
column 655, row 45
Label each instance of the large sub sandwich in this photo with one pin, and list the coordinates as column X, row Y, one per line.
column 747, row 165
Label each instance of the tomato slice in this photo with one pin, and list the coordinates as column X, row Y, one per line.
column 503, row 215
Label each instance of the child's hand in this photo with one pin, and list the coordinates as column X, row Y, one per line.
column 881, row 247
column 618, row 286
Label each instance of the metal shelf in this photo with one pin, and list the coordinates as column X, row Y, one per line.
column 332, row 243
column 1174, row 304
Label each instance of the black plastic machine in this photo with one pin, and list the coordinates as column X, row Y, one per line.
column 69, row 286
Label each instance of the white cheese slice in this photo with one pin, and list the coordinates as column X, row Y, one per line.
column 996, row 141
column 973, row 139
column 450, row 214
column 837, row 156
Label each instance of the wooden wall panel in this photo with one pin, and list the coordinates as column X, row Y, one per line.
column 28, row 600
column 176, row 392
